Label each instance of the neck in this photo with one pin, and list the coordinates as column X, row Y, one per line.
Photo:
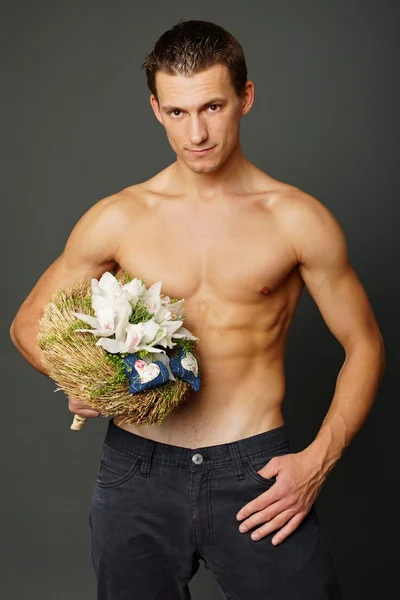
column 225, row 180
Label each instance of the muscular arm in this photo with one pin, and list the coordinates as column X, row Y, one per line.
column 321, row 248
column 323, row 263
column 89, row 251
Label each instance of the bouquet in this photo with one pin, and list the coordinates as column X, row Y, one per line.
column 136, row 360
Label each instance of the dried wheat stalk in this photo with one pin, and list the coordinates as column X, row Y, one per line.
column 86, row 371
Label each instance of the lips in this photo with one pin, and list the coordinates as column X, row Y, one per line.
column 201, row 152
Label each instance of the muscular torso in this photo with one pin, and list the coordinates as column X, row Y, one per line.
column 236, row 269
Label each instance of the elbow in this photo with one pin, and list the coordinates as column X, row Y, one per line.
column 372, row 349
column 14, row 336
column 12, row 333
column 14, row 329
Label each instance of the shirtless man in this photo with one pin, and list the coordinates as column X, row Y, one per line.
column 239, row 246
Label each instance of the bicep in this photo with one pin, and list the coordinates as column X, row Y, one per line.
column 90, row 250
column 330, row 278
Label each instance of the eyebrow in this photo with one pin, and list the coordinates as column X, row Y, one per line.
column 169, row 107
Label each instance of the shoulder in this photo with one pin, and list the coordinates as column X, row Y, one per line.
column 309, row 226
column 115, row 208
column 106, row 220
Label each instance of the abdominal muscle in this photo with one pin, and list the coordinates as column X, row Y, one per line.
column 241, row 393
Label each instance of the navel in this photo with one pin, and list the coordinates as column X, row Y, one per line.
column 265, row 290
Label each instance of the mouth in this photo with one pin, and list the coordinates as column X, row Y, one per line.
column 201, row 152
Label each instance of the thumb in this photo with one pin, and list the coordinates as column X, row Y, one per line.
column 272, row 468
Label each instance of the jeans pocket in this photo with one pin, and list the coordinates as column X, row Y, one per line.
column 116, row 466
column 255, row 462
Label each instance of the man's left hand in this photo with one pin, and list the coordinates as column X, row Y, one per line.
column 287, row 502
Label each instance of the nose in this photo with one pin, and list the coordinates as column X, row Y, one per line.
column 198, row 131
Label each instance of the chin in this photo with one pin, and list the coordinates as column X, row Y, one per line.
column 202, row 166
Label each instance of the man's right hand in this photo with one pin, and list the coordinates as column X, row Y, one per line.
column 78, row 407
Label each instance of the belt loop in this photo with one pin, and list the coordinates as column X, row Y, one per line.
column 237, row 461
column 148, row 449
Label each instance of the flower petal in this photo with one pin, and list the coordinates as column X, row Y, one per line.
column 176, row 308
column 135, row 288
column 150, row 331
column 110, row 344
column 184, row 333
column 152, row 297
column 110, row 285
column 134, row 335
column 123, row 316
column 86, row 318
column 106, row 320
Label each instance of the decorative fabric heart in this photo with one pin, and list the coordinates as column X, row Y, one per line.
column 185, row 366
column 143, row 375
column 190, row 363
column 147, row 372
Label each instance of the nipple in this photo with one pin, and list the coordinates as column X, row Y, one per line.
column 265, row 290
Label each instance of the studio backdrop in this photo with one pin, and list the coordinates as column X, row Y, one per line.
column 77, row 126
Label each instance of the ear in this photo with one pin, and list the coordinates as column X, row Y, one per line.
column 156, row 108
column 247, row 97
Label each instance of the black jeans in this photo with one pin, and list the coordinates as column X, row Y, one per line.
column 157, row 509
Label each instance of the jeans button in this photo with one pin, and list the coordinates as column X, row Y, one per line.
column 197, row 459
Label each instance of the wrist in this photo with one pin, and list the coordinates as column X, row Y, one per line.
column 324, row 452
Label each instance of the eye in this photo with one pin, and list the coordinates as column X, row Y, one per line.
column 176, row 110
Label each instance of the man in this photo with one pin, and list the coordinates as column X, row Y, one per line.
column 239, row 246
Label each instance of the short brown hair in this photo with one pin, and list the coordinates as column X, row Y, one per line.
column 192, row 46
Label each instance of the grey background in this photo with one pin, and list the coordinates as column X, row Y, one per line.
column 77, row 126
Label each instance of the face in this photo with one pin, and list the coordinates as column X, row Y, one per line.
column 201, row 112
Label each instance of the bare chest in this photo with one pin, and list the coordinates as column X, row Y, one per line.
column 234, row 255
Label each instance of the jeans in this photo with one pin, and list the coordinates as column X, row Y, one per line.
column 158, row 509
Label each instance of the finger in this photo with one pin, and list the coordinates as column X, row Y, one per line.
column 266, row 514
column 272, row 495
column 76, row 404
column 86, row 412
column 273, row 525
column 290, row 526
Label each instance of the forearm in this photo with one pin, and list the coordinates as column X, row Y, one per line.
column 23, row 335
column 355, row 392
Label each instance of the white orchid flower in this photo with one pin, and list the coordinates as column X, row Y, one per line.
column 102, row 324
column 108, row 287
column 176, row 308
column 150, row 330
column 139, row 336
column 111, row 306
column 171, row 327
column 136, row 289
column 169, row 316
column 152, row 298
column 130, row 343
column 124, row 314
column 135, row 333
column 109, row 321
column 162, row 314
